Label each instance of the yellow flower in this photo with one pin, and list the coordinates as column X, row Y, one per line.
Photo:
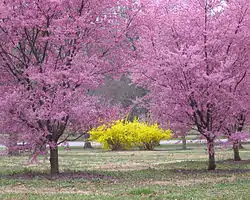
column 124, row 134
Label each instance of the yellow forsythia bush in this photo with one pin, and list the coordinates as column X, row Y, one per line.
column 149, row 136
column 123, row 134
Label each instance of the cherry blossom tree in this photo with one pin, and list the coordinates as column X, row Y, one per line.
column 52, row 52
column 235, row 131
column 194, row 57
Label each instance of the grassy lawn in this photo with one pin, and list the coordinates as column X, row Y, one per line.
column 166, row 173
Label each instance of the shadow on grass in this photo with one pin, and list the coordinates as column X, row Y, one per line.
column 67, row 175
column 166, row 170
column 204, row 171
column 223, row 167
column 172, row 149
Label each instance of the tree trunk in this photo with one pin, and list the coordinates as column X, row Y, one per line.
column 12, row 143
column 211, row 153
column 184, row 142
column 87, row 145
column 236, row 151
column 54, row 164
column 240, row 145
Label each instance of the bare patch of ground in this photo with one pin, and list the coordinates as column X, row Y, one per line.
column 123, row 167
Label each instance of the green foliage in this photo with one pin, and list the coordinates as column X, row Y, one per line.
column 124, row 134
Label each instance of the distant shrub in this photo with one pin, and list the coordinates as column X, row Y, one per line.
column 124, row 134
column 113, row 136
column 149, row 136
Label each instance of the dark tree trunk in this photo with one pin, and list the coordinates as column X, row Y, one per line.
column 12, row 143
column 184, row 142
column 148, row 146
column 56, row 128
column 236, row 151
column 211, row 153
column 54, row 164
column 240, row 145
column 87, row 145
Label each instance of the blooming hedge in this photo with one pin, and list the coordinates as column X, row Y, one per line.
column 123, row 134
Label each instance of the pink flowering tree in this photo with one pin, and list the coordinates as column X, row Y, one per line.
column 192, row 55
column 51, row 54
column 235, row 130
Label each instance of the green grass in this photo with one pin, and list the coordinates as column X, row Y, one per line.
column 141, row 191
column 166, row 173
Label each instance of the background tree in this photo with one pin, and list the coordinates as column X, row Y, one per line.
column 236, row 131
column 123, row 92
